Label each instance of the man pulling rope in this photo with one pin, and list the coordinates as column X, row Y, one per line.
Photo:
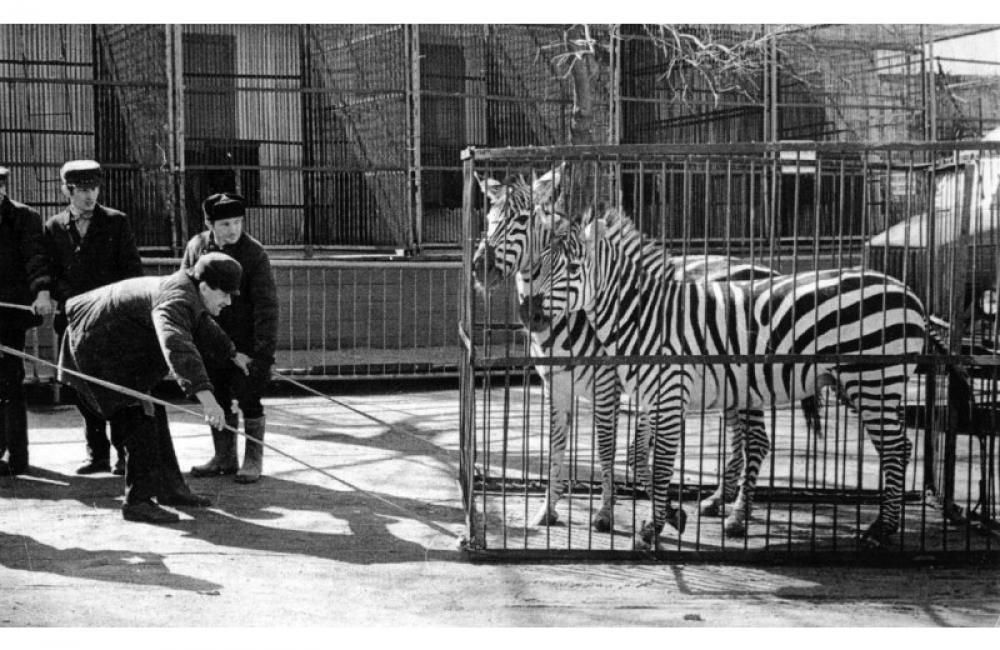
column 132, row 333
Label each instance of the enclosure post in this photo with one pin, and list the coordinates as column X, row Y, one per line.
column 175, row 87
column 932, row 82
column 614, row 90
column 172, row 204
column 413, row 129
column 467, row 398
column 306, row 99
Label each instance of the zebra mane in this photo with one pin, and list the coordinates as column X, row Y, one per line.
column 612, row 221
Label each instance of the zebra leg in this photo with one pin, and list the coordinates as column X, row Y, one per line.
column 714, row 505
column 667, row 429
column 638, row 457
column 755, row 448
column 880, row 416
column 558, row 389
column 811, row 411
column 607, row 402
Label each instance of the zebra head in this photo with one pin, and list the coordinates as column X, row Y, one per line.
column 556, row 283
column 515, row 230
column 586, row 268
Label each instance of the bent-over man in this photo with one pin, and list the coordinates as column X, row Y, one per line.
column 132, row 333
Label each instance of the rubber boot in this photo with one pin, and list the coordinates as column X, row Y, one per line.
column 253, row 453
column 15, row 423
column 225, row 460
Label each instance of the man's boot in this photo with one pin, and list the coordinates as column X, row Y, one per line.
column 141, row 475
column 225, row 460
column 15, row 417
column 253, row 453
column 98, row 446
column 173, row 491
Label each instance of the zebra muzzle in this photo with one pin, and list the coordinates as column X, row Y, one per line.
column 533, row 314
column 485, row 274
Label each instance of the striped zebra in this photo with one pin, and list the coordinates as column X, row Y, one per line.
column 516, row 234
column 514, row 238
column 598, row 270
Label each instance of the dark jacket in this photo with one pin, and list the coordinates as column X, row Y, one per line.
column 252, row 319
column 107, row 253
column 24, row 265
column 134, row 332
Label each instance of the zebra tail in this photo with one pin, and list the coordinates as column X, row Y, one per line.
column 961, row 396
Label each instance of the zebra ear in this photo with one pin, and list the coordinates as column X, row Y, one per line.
column 594, row 230
column 559, row 227
column 545, row 187
column 491, row 187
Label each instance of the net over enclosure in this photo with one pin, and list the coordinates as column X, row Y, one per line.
column 742, row 351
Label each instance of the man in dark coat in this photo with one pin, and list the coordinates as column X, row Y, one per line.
column 90, row 245
column 24, row 280
column 251, row 322
column 132, row 333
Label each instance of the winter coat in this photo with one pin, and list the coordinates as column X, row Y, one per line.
column 24, row 265
column 107, row 253
column 252, row 319
column 134, row 332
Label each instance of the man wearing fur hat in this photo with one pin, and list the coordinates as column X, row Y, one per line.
column 24, row 280
column 252, row 323
column 91, row 245
column 132, row 334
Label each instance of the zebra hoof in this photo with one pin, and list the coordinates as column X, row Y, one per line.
column 648, row 534
column 710, row 508
column 544, row 517
column 602, row 521
column 677, row 520
column 878, row 536
column 735, row 526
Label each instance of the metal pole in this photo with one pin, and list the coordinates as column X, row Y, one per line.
column 933, row 82
column 176, row 32
column 306, row 105
column 416, row 202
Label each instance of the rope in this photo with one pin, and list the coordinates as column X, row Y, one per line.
column 155, row 400
column 11, row 305
column 313, row 391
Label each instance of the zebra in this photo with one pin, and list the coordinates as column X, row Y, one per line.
column 635, row 310
column 513, row 240
column 517, row 231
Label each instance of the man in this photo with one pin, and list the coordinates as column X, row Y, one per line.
column 132, row 333
column 24, row 280
column 90, row 245
column 252, row 323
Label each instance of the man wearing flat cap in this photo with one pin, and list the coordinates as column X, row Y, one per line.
column 24, row 280
column 252, row 323
column 90, row 245
column 133, row 333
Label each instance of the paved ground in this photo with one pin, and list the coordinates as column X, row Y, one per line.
column 369, row 537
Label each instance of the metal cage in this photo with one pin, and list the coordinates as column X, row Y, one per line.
column 791, row 207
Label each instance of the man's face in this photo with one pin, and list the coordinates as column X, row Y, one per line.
column 214, row 300
column 83, row 198
column 226, row 231
column 3, row 189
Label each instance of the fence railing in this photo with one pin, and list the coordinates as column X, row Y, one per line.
column 344, row 319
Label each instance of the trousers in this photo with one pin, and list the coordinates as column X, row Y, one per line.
column 13, row 412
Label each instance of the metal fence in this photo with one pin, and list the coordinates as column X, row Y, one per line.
column 342, row 319
column 925, row 213
column 339, row 136
column 348, row 136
